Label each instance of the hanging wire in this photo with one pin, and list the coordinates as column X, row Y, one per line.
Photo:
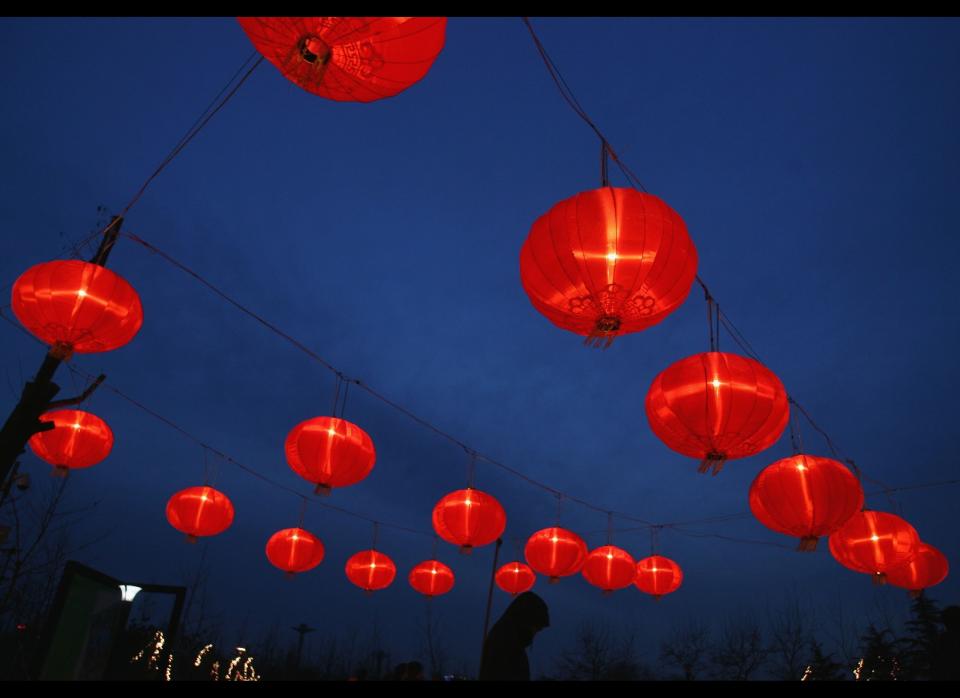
column 654, row 539
column 609, row 528
column 796, row 443
column 471, row 469
column 303, row 511
column 346, row 392
column 336, row 393
column 376, row 534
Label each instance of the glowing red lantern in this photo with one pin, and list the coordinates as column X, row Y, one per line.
column 469, row 518
column 200, row 511
column 556, row 552
column 874, row 542
column 371, row 570
column 78, row 440
column 515, row 578
column 431, row 578
column 77, row 307
column 658, row 575
column 349, row 59
column 716, row 407
column 805, row 496
column 294, row 550
column 608, row 262
column 610, row 568
column 330, row 452
column 928, row 568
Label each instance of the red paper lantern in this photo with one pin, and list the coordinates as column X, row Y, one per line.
column 371, row 570
column 294, row 550
column 874, row 542
column 608, row 262
column 469, row 518
column 806, row 497
column 928, row 568
column 77, row 307
column 200, row 511
column 431, row 578
column 515, row 578
column 330, row 452
column 716, row 407
column 349, row 59
column 658, row 575
column 556, row 552
column 610, row 568
column 78, row 440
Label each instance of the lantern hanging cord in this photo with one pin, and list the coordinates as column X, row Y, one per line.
column 571, row 100
column 216, row 104
column 336, row 393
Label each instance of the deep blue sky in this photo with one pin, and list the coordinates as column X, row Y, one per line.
column 813, row 160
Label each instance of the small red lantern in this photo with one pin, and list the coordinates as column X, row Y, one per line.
column 77, row 307
column 294, row 550
column 610, row 568
column 608, row 262
column 431, row 578
column 469, row 518
column 200, row 511
column 928, row 568
column 874, row 542
column 515, row 578
column 349, row 59
column 716, row 407
column 555, row 552
column 330, row 452
column 806, row 497
column 79, row 440
column 371, row 570
column 658, row 575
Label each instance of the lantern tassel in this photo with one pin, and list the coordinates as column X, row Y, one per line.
column 60, row 471
column 879, row 579
column 553, row 580
column 807, row 544
column 191, row 539
column 61, row 350
column 916, row 593
column 322, row 490
column 712, row 460
column 466, row 549
column 604, row 332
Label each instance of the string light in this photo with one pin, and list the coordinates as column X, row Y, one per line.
column 201, row 653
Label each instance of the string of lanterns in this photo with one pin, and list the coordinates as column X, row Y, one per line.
column 600, row 264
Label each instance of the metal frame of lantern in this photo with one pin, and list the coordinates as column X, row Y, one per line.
column 469, row 518
column 508, row 577
column 330, row 452
column 294, row 550
column 431, row 578
column 188, row 511
column 78, row 440
column 610, row 568
column 874, row 542
column 651, row 573
column 927, row 568
column 372, row 561
column 566, row 556
column 356, row 59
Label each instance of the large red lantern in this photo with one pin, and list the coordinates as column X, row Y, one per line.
column 469, row 518
column 200, row 511
column 431, row 578
column 928, row 568
column 806, row 497
column 294, row 550
column 716, row 407
column 608, row 262
column 349, row 59
column 77, row 307
column 78, row 440
column 330, row 452
column 371, row 570
column 658, row 575
column 610, row 568
column 874, row 542
column 515, row 578
column 555, row 552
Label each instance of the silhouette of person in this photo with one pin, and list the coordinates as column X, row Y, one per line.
column 505, row 650
column 945, row 663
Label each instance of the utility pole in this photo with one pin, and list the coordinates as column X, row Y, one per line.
column 37, row 397
column 301, row 630
column 486, row 618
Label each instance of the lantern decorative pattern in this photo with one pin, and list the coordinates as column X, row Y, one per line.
column 469, row 518
column 658, row 575
column 349, row 59
column 371, row 570
column 806, row 497
column 77, row 307
column 330, row 452
column 608, row 262
column 610, row 568
column 555, row 552
column 431, row 578
column 515, row 578
column 874, row 542
column 200, row 511
column 79, row 440
column 928, row 568
column 716, row 407
column 294, row 550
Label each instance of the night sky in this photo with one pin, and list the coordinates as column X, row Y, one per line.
column 813, row 160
